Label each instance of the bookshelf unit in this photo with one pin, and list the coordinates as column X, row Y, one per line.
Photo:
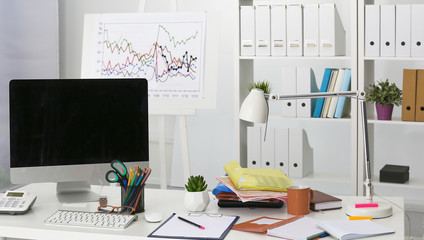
column 335, row 168
column 341, row 170
column 392, row 142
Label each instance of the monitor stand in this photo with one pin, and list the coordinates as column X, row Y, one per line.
column 75, row 192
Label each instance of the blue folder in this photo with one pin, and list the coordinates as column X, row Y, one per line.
column 342, row 100
column 220, row 188
column 324, row 86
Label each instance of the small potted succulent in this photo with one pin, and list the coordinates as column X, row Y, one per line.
column 196, row 197
column 384, row 95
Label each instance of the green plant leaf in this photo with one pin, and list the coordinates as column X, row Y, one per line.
column 264, row 85
column 196, row 184
column 384, row 93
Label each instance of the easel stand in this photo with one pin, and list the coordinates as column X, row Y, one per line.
column 184, row 144
column 169, row 6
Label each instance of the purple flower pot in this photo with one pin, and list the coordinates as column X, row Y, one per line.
column 384, row 112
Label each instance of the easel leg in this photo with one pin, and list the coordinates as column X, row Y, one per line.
column 184, row 146
column 167, row 6
column 162, row 152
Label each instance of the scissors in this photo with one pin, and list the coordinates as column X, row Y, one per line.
column 118, row 174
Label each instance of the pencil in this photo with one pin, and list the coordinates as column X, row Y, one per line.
column 192, row 223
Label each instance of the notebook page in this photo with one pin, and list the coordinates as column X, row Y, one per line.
column 215, row 227
column 354, row 229
column 302, row 228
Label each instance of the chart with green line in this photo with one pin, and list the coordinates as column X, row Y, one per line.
column 167, row 49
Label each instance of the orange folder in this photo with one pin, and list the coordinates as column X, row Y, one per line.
column 252, row 226
column 419, row 108
column 409, row 94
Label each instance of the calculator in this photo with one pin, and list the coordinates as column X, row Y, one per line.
column 16, row 202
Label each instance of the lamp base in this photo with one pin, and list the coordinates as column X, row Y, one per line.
column 382, row 211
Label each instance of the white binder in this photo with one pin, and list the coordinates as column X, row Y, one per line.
column 300, row 154
column 294, row 30
column 403, row 30
column 278, row 30
column 310, row 30
column 331, row 32
column 267, row 151
column 247, row 31
column 387, row 30
column 288, row 87
column 263, row 30
column 372, row 30
column 254, row 140
column 303, row 85
column 281, row 139
column 417, row 33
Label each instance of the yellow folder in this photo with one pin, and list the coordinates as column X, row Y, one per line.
column 257, row 178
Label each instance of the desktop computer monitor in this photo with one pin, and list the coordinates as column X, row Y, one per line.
column 68, row 131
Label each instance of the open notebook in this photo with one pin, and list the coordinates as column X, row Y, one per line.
column 304, row 228
column 345, row 230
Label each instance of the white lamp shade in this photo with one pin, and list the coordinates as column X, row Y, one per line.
column 254, row 108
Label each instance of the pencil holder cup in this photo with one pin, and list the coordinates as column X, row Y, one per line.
column 133, row 196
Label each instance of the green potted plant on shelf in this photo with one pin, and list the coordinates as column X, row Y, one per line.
column 263, row 85
column 385, row 96
column 196, row 197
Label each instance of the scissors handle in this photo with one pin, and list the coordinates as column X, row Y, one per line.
column 113, row 177
column 119, row 167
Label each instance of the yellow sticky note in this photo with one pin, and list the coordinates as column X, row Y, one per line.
column 359, row 218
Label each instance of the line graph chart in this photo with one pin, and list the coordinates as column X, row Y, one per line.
column 167, row 49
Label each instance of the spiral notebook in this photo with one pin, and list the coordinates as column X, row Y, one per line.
column 263, row 224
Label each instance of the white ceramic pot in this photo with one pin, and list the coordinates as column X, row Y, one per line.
column 196, row 201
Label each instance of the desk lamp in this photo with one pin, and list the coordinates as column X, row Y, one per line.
column 255, row 109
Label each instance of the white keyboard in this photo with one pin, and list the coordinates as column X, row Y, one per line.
column 90, row 219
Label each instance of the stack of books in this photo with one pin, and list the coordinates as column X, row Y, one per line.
column 334, row 80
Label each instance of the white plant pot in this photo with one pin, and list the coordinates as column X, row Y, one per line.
column 196, row 201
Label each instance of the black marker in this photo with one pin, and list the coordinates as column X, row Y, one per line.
column 192, row 223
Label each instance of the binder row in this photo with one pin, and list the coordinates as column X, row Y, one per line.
column 299, row 80
column 291, row 30
column 394, row 30
column 334, row 80
column 284, row 148
column 413, row 95
column 296, row 80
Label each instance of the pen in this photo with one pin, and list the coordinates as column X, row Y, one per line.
column 192, row 223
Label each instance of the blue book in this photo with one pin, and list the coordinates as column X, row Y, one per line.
column 324, row 86
column 345, row 87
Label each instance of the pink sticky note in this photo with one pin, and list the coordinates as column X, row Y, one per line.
column 366, row 205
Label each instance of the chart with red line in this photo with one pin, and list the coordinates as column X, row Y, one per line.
column 167, row 49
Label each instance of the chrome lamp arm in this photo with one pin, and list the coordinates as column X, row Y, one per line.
column 255, row 109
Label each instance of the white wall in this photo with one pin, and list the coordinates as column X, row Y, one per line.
column 210, row 132
column 28, row 49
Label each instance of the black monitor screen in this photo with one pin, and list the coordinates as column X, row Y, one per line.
column 84, row 121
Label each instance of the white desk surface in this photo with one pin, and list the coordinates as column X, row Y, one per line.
column 31, row 226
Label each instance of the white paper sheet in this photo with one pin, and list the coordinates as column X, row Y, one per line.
column 215, row 226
